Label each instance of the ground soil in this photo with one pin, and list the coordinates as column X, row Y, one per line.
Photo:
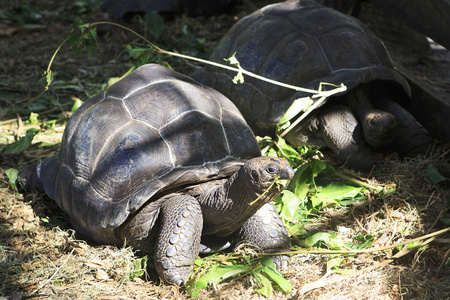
column 42, row 257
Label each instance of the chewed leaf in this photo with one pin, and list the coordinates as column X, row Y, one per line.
column 139, row 267
column 282, row 182
column 364, row 241
column 239, row 78
column 48, row 78
column 233, row 60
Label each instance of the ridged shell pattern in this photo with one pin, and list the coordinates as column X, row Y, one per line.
column 153, row 130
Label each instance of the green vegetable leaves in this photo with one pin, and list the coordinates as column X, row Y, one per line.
column 22, row 144
column 262, row 269
column 84, row 36
column 333, row 193
column 139, row 267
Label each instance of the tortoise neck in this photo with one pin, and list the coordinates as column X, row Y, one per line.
column 229, row 205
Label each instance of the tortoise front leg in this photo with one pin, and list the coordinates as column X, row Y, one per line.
column 266, row 230
column 179, row 238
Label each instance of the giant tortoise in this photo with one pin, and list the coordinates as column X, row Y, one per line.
column 157, row 161
column 304, row 43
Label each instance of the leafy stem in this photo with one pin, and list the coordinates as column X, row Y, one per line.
column 89, row 26
column 423, row 240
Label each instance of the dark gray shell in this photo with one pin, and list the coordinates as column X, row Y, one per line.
column 301, row 43
column 154, row 130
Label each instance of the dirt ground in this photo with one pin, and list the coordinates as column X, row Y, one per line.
column 41, row 257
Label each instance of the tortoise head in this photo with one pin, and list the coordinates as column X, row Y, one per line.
column 379, row 128
column 265, row 171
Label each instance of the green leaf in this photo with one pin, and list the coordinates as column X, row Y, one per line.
column 12, row 177
column 365, row 241
column 141, row 54
column 413, row 245
column 271, row 271
column 333, row 193
column 284, row 149
column 296, row 229
column 48, row 78
column 432, row 174
column 76, row 104
column 289, row 205
column 302, row 181
column 33, row 118
column 318, row 167
column 298, row 106
column 22, row 144
column 263, row 269
column 215, row 276
column 266, row 290
column 334, row 263
column 155, row 24
column 84, row 39
column 139, row 266
column 49, row 124
column 329, row 239
column 223, row 272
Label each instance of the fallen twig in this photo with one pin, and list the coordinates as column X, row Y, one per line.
column 56, row 272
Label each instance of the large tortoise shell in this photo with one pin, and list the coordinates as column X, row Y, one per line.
column 154, row 130
column 301, row 43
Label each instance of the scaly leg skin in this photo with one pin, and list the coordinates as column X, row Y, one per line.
column 266, row 230
column 179, row 238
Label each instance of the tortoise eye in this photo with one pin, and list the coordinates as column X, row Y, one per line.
column 273, row 170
